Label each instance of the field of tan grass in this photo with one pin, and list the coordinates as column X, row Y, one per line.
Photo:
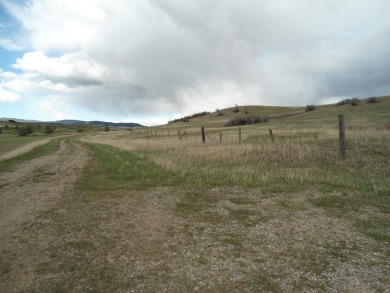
column 154, row 213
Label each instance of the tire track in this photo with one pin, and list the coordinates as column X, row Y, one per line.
column 26, row 191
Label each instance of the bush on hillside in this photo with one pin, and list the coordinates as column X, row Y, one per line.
column 352, row 102
column 219, row 113
column 310, row 108
column 187, row 118
column 24, row 131
column 355, row 102
column 344, row 102
column 250, row 120
column 49, row 129
column 372, row 100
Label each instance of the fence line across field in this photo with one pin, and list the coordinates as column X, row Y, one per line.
column 239, row 134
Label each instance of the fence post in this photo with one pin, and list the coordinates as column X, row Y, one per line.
column 342, row 136
column 220, row 138
column 203, row 135
column 179, row 133
column 239, row 134
column 272, row 136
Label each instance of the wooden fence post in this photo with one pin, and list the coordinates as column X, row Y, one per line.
column 239, row 134
column 272, row 136
column 179, row 133
column 342, row 136
column 203, row 135
column 220, row 138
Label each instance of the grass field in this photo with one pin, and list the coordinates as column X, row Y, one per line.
column 154, row 212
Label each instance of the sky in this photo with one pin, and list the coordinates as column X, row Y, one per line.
column 150, row 61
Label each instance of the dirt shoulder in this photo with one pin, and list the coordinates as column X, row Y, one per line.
column 27, row 191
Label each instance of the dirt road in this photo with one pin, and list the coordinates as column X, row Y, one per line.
column 58, row 234
column 27, row 191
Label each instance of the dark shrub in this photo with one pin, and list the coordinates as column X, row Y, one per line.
column 372, row 100
column 310, row 108
column 253, row 119
column 344, row 102
column 29, row 129
column 49, row 129
column 219, row 113
column 354, row 102
column 187, row 118
column 22, row 131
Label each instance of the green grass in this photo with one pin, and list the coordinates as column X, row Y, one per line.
column 112, row 169
column 375, row 227
column 11, row 142
column 39, row 151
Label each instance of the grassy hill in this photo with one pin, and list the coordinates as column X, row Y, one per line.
column 364, row 112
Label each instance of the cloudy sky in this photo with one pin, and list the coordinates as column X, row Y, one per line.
column 150, row 61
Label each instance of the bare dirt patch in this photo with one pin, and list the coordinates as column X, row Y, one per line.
column 28, row 191
column 173, row 239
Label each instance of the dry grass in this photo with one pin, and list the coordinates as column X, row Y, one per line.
column 155, row 214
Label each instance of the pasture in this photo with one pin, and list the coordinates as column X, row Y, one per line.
column 144, row 210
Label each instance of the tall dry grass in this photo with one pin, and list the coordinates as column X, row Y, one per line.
column 299, row 156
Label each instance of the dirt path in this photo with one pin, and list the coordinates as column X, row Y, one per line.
column 27, row 191
column 26, row 148
column 98, row 236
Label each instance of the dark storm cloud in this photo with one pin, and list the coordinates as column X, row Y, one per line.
column 186, row 56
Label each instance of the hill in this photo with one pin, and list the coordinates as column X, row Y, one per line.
column 321, row 115
column 98, row 123
column 74, row 122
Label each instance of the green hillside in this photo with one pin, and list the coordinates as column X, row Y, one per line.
column 364, row 112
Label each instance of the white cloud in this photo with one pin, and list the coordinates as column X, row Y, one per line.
column 10, row 45
column 71, row 69
column 7, row 96
column 137, row 57
column 212, row 94
column 52, row 108
column 148, row 121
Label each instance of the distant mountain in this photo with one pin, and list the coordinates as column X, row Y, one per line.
column 18, row 120
column 74, row 122
column 98, row 123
